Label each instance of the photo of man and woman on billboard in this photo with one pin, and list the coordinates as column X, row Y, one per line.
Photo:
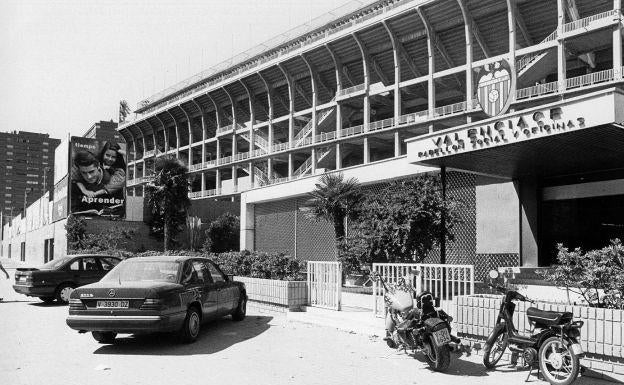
column 98, row 177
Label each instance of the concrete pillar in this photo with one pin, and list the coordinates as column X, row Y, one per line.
column 338, row 156
column 397, row 145
column 511, row 22
column 366, row 151
column 617, row 42
column 247, row 224
column 529, row 220
column 561, row 51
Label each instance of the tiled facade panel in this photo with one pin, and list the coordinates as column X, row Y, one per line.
column 315, row 239
column 275, row 226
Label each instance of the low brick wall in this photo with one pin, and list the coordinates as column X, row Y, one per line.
column 602, row 335
column 287, row 295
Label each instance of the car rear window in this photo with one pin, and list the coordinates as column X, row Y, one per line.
column 55, row 263
column 138, row 270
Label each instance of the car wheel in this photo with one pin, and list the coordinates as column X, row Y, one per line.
column 47, row 299
column 104, row 337
column 191, row 326
column 241, row 311
column 63, row 292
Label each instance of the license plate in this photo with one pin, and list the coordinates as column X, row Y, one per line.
column 21, row 278
column 113, row 304
column 577, row 349
column 441, row 337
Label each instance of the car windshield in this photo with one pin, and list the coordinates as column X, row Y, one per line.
column 141, row 270
column 55, row 263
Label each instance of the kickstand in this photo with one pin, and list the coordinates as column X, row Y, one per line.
column 531, row 371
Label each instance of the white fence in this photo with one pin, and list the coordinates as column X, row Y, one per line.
column 325, row 284
column 443, row 281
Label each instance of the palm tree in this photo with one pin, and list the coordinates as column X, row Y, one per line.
column 167, row 196
column 335, row 199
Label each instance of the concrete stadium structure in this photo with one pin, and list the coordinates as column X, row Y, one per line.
column 396, row 88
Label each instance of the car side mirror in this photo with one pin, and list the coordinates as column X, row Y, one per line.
column 230, row 277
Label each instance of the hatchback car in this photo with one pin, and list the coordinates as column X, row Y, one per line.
column 59, row 277
column 156, row 294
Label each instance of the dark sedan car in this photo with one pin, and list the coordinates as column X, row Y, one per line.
column 156, row 294
column 59, row 277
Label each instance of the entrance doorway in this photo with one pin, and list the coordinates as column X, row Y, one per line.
column 588, row 223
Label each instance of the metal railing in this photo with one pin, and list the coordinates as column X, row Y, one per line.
column 307, row 129
column 443, row 281
column 351, row 90
column 524, row 62
column 381, row 124
column 325, row 284
column 586, row 21
column 413, row 117
column 589, row 79
column 449, row 109
column 538, row 90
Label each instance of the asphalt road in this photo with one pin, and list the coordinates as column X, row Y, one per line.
column 36, row 347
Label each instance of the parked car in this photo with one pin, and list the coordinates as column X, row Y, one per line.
column 59, row 277
column 156, row 294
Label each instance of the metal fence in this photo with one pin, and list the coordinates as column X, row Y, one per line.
column 443, row 281
column 325, row 284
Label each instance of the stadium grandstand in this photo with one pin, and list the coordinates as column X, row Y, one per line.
column 518, row 103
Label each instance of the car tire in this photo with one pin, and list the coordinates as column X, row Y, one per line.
column 241, row 311
column 63, row 292
column 191, row 326
column 47, row 300
column 104, row 337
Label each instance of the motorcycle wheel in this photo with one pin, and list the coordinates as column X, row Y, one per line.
column 438, row 357
column 558, row 363
column 494, row 348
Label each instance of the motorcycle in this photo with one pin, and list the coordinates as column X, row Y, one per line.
column 421, row 328
column 552, row 345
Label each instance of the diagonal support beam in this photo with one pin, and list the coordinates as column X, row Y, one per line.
column 373, row 63
column 402, row 51
column 437, row 43
column 524, row 31
column 473, row 27
column 574, row 14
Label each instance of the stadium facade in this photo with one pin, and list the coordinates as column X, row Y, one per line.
column 518, row 103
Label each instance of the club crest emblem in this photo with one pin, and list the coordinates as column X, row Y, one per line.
column 494, row 87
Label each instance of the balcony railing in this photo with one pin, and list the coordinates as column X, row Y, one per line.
column 586, row 21
column 351, row 90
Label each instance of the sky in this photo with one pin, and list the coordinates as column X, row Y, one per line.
column 66, row 64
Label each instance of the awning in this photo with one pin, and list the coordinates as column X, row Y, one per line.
column 567, row 137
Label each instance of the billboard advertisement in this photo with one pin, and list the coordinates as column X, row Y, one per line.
column 59, row 203
column 97, row 177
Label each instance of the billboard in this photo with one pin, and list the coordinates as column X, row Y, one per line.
column 97, row 177
column 59, row 202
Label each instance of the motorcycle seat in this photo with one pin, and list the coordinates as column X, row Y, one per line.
column 548, row 318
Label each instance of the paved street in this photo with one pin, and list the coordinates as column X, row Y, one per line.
column 38, row 348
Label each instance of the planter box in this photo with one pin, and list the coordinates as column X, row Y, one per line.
column 289, row 295
column 602, row 335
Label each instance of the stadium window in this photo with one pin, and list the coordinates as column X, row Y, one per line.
column 45, row 150
column 45, row 143
column 9, row 146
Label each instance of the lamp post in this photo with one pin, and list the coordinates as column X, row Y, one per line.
column 26, row 191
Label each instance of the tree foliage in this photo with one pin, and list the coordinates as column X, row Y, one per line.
column 223, row 234
column 167, row 197
column 334, row 199
column 401, row 223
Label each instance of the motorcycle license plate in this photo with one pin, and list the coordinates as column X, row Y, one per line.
column 577, row 349
column 441, row 337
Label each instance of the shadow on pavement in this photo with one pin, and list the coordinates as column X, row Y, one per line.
column 214, row 337
column 43, row 304
column 458, row 367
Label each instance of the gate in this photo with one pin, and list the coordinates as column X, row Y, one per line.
column 443, row 281
column 325, row 284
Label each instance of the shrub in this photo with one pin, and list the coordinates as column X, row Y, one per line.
column 247, row 264
column 596, row 275
column 223, row 234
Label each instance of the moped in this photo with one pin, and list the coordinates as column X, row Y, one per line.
column 553, row 345
column 420, row 328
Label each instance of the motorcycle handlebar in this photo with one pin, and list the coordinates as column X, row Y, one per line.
column 504, row 290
